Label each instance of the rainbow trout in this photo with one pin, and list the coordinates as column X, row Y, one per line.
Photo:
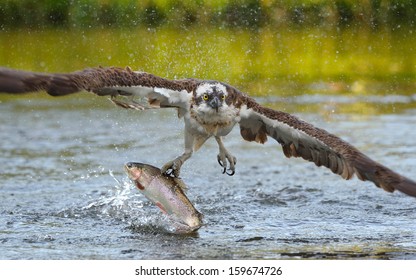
column 167, row 193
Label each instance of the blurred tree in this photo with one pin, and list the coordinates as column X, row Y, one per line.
column 251, row 14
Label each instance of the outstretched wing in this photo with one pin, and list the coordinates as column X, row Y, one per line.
column 301, row 139
column 143, row 89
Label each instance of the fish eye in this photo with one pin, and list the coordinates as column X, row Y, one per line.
column 205, row 97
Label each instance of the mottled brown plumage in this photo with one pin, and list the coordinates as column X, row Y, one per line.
column 297, row 137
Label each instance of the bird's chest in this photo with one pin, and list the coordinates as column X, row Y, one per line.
column 212, row 123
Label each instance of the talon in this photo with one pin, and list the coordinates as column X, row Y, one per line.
column 223, row 160
column 169, row 173
column 173, row 168
column 169, row 169
column 220, row 161
column 231, row 173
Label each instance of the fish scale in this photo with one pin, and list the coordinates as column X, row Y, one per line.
column 167, row 193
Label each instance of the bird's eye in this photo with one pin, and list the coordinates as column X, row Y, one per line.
column 205, row 97
column 223, row 97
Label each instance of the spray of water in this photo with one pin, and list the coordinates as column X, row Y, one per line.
column 123, row 202
column 121, row 199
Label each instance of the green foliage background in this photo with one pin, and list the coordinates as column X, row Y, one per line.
column 251, row 14
column 265, row 48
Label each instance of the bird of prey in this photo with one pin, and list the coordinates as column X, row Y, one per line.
column 212, row 109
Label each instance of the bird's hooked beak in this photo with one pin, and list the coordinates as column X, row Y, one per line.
column 215, row 103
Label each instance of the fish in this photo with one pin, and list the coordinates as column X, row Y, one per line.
column 167, row 193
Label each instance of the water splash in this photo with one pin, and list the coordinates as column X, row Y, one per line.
column 123, row 202
column 119, row 201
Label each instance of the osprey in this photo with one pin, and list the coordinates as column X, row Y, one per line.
column 212, row 109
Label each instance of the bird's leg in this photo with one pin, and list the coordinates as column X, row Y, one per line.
column 172, row 168
column 225, row 159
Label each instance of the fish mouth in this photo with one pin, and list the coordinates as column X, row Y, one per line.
column 133, row 170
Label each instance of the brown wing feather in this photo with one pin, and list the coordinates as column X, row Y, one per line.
column 301, row 139
column 15, row 81
column 98, row 80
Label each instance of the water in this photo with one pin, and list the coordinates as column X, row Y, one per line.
column 64, row 194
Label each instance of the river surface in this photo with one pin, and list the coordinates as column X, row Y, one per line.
column 64, row 194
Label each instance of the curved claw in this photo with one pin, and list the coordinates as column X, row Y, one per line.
column 170, row 169
column 226, row 171
column 231, row 173
column 169, row 172
column 220, row 162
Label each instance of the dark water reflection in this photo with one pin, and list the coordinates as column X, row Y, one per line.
column 64, row 194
